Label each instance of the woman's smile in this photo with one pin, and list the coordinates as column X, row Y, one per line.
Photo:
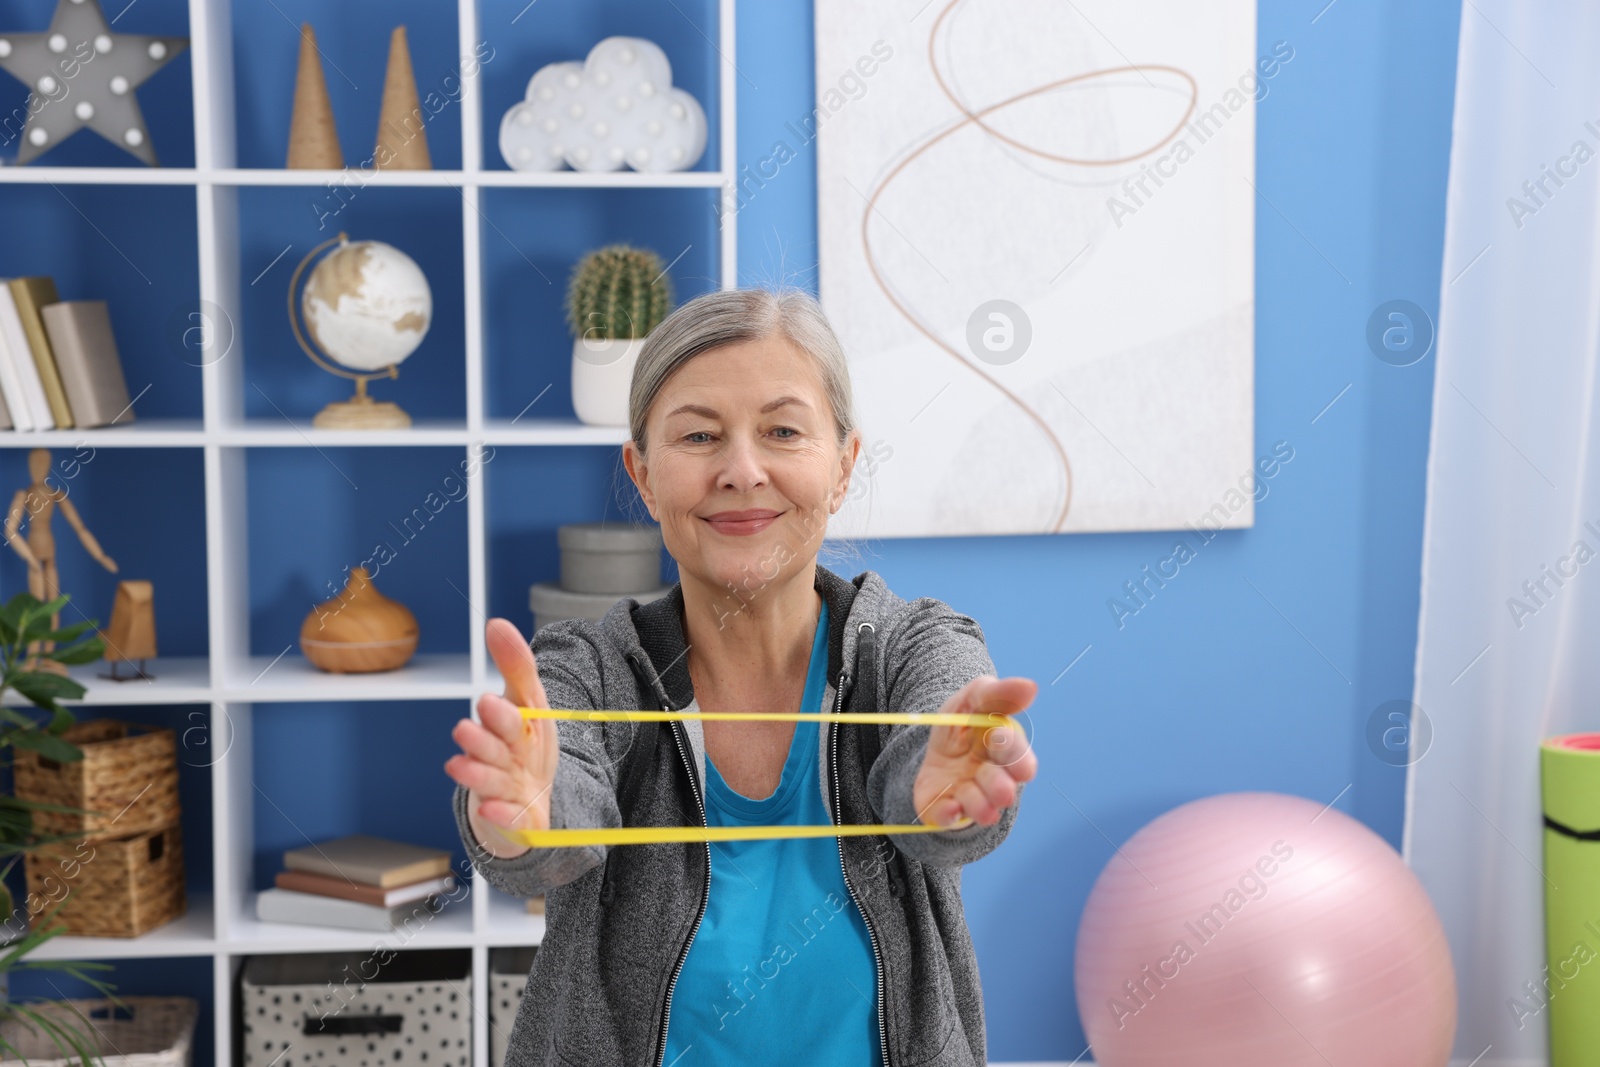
column 742, row 523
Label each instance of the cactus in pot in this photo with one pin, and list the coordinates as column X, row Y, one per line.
column 616, row 296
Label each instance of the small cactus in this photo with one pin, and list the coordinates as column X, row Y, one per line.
column 618, row 292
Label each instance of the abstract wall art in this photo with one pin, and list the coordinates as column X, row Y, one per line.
column 1036, row 230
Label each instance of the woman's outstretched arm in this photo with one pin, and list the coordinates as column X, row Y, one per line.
column 937, row 661
column 516, row 773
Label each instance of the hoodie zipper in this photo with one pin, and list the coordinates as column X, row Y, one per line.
column 877, row 958
column 705, row 895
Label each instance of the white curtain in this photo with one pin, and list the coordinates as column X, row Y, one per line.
column 1513, row 478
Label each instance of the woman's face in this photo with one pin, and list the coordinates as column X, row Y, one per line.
column 743, row 468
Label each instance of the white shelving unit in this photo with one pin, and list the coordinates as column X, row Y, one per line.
column 229, row 682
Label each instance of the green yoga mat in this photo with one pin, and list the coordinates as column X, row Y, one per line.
column 1568, row 993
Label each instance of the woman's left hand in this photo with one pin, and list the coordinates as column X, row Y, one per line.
column 975, row 770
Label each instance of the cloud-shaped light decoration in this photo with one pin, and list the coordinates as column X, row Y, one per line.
column 617, row 108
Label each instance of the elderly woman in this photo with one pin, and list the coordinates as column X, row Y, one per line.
column 820, row 950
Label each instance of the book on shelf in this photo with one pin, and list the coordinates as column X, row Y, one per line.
column 535, row 905
column 85, row 350
column 364, row 892
column 30, row 296
column 25, row 396
column 378, row 861
column 277, row 904
column 11, row 389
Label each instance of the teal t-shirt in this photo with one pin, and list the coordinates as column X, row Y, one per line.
column 780, row 970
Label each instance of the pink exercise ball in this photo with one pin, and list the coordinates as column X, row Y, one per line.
column 1262, row 929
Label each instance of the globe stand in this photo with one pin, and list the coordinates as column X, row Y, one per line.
column 361, row 412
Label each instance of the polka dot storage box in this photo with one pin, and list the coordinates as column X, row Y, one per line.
column 377, row 1007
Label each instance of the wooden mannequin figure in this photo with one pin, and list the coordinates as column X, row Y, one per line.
column 37, row 503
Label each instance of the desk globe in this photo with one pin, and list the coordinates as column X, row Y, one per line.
column 366, row 307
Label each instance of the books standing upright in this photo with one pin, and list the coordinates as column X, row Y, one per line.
column 86, row 355
column 17, row 412
column 30, row 296
column 24, row 388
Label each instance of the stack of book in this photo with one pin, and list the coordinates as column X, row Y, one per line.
column 360, row 881
column 59, row 367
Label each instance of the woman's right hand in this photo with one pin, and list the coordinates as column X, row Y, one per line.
column 507, row 762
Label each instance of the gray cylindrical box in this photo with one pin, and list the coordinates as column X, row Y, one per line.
column 551, row 603
column 609, row 557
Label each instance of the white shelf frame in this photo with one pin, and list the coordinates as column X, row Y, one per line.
column 229, row 682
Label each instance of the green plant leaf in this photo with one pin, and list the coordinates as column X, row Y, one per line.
column 35, row 622
column 11, row 613
column 61, row 720
column 48, row 745
column 86, row 651
column 68, row 965
column 15, row 824
column 66, row 1042
column 52, row 707
column 39, row 931
column 45, row 687
column 68, row 633
column 19, row 717
column 8, row 801
column 39, row 840
column 64, row 1035
column 11, row 1051
column 75, row 969
column 24, row 945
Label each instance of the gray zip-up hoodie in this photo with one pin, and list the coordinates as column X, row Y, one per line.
column 620, row 920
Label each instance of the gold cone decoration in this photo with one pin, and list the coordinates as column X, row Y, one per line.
column 313, row 141
column 402, row 142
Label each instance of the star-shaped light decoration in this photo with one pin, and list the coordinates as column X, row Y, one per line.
column 82, row 75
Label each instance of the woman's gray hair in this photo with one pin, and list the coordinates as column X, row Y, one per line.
column 735, row 316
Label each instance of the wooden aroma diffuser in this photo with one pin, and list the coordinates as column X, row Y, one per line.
column 359, row 630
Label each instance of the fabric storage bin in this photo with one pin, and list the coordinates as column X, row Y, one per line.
column 372, row 1008
column 114, row 886
column 508, row 976
column 129, row 774
column 150, row 1032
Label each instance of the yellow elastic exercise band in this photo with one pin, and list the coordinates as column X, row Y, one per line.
column 647, row 835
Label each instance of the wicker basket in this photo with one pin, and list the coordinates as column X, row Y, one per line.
column 129, row 774
column 114, row 887
column 159, row 1032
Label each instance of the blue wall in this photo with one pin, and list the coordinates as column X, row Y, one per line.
column 1209, row 689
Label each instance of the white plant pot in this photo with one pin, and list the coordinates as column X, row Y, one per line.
column 602, row 372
